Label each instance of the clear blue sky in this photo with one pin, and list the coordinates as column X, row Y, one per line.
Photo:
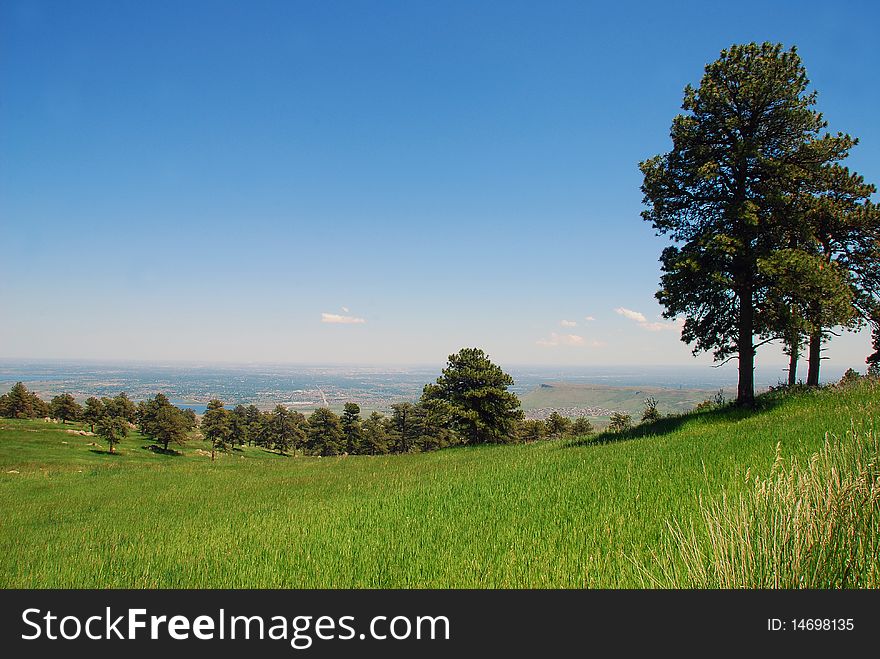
column 204, row 180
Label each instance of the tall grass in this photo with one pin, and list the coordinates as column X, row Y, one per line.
column 548, row 515
column 813, row 525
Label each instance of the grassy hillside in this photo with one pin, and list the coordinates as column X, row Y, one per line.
column 570, row 397
column 555, row 514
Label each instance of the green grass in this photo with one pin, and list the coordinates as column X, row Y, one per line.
column 806, row 525
column 554, row 514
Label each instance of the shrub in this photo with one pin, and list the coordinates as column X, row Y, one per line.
column 531, row 430
column 581, row 427
column 850, row 377
column 620, row 422
column 557, row 425
column 651, row 412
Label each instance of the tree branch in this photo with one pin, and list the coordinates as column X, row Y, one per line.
column 755, row 347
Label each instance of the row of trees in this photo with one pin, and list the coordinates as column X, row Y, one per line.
column 410, row 427
column 774, row 239
column 468, row 404
column 21, row 403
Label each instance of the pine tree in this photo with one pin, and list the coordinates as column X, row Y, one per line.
column 557, row 425
column 581, row 427
column 216, row 427
column 254, row 421
column 404, row 427
column 532, row 430
column 65, row 407
column 807, row 296
column 325, row 433
column 351, row 427
column 472, row 393
column 162, row 422
column 113, row 429
column 429, row 425
column 239, row 426
column 93, row 411
column 285, row 431
column 121, row 406
column 20, row 403
column 749, row 142
column 873, row 360
column 844, row 229
column 374, row 435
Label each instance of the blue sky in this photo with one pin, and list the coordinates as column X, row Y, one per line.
column 216, row 180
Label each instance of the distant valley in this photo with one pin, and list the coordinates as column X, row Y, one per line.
column 600, row 401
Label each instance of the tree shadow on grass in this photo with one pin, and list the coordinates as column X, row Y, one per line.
column 155, row 448
column 100, row 451
column 728, row 413
column 277, row 454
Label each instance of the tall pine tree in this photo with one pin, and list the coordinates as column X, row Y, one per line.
column 749, row 138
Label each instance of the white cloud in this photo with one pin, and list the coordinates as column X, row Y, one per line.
column 654, row 326
column 568, row 323
column 561, row 340
column 658, row 327
column 344, row 309
column 589, row 318
column 632, row 315
column 342, row 320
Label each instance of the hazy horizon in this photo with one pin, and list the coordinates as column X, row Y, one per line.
column 109, row 361
column 672, row 375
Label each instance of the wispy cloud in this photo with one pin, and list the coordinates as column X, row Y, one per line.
column 341, row 320
column 561, row 340
column 652, row 326
column 632, row 315
column 574, row 340
column 344, row 309
column 662, row 327
column 568, row 323
column 589, row 318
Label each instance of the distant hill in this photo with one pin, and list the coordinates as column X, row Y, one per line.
column 596, row 400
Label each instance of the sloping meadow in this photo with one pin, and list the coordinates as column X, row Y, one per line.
column 548, row 515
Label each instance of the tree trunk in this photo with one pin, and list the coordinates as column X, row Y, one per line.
column 745, row 392
column 794, row 350
column 814, row 359
column 111, row 447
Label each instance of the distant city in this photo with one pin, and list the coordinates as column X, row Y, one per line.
column 306, row 387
